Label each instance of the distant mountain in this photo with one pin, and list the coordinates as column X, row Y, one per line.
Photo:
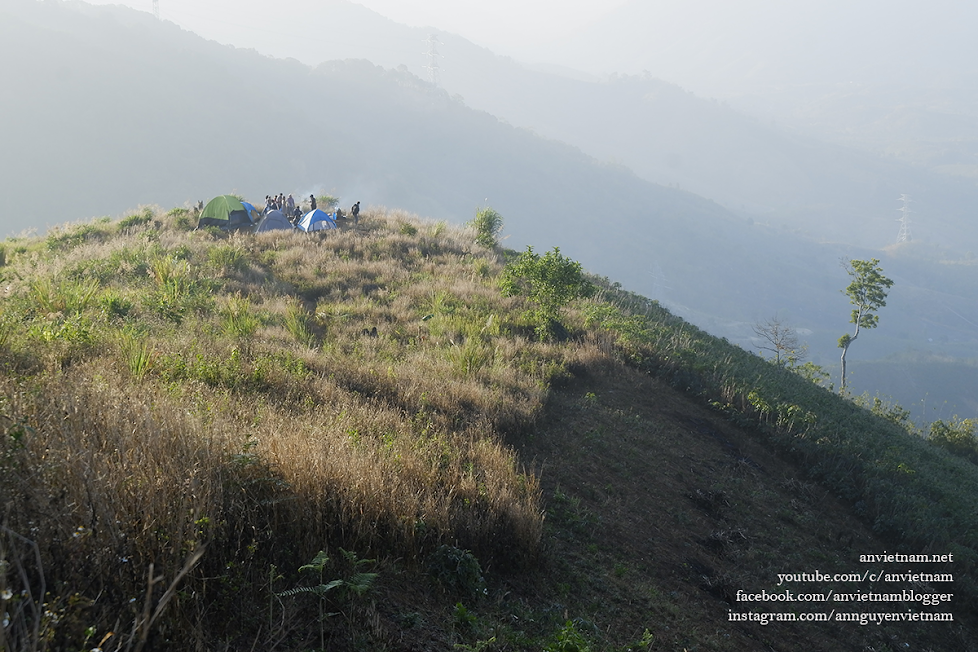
column 735, row 47
column 119, row 109
column 842, row 192
column 898, row 78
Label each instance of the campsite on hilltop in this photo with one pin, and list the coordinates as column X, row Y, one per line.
column 378, row 437
column 723, row 219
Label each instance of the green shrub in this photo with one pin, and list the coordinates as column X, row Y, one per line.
column 487, row 223
column 457, row 570
column 136, row 219
column 69, row 237
column 471, row 356
column 327, row 202
column 956, row 436
column 227, row 257
column 74, row 330
column 114, row 305
column 225, row 371
column 66, row 297
column 137, row 353
column 568, row 639
column 551, row 281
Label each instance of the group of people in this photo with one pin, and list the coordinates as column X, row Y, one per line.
column 293, row 210
column 287, row 205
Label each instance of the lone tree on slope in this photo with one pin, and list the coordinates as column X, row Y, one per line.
column 551, row 281
column 867, row 292
column 781, row 340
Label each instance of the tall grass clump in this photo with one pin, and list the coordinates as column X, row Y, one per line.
column 227, row 258
column 67, row 297
column 239, row 320
column 137, row 352
column 297, row 323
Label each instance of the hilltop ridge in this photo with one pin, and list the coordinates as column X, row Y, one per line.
column 216, row 411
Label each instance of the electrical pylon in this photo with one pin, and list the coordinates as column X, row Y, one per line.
column 433, row 57
column 904, row 235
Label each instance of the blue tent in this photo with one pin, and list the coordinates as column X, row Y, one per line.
column 253, row 212
column 317, row 220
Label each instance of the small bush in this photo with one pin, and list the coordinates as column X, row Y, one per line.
column 67, row 297
column 137, row 353
column 488, row 223
column 114, row 305
column 568, row 639
column 227, row 258
column 470, row 357
column 551, row 281
column 135, row 220
column 327, row 202
column 956, row 436
column 457, row 570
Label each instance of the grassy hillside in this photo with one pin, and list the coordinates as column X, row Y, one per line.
column 354, row 441
column 126, row 109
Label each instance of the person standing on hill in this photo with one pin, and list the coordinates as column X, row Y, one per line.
column 312, row 202
column 290, row 205
column 356, row 213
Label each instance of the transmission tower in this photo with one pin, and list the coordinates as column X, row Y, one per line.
column 156, row 9
column 433, row 56
column 904, row 235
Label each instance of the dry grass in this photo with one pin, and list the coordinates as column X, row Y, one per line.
column 269, row 396
column 169, row 394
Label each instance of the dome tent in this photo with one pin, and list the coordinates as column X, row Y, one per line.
column 316, row 220
column 273, row 220
column 227, row 213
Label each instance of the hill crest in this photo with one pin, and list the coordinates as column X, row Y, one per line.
column 601, row 482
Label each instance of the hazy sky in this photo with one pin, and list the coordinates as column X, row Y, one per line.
column 512, row 27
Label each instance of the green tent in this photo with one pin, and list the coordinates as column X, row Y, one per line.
column 226, row 212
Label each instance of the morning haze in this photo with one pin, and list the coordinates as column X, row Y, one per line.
column 398, row 433
column 139, row 111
